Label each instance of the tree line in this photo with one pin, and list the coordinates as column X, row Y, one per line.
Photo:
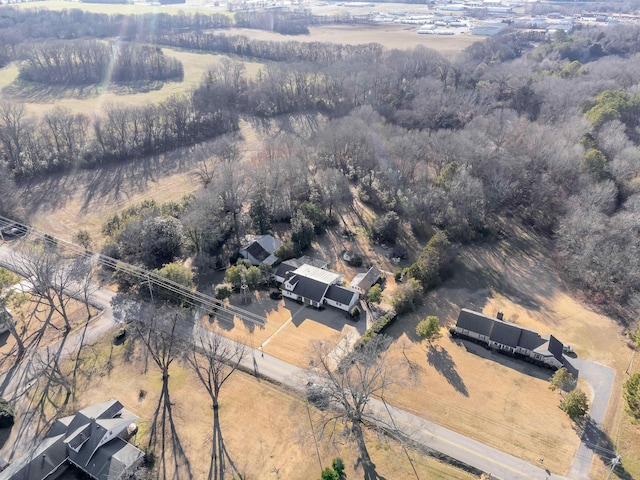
column 18, row 26
column 62, row 139
column 506, row 129
column 81, row 62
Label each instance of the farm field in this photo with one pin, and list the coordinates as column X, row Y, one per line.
column 389, row 36
column 63, row 203
column 266, row 430
column 92, row 99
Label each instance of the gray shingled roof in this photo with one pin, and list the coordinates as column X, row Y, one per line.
column 112, row 459
column 531, row 340
column 257, row 252
column 284, row 268
column 505, row 333
column 475, row 322
column 366, row 281
column 83, row 430
column 309, row 288
column 340, row 294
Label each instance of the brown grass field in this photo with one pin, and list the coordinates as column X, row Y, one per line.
column 389, row 36
column 516, row 277
column 290, row 329
column 266, row 429
column 25, row 321
column 91, row 100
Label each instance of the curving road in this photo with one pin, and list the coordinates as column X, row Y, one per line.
column 437, row 438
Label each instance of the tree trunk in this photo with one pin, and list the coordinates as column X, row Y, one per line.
column 364, row 458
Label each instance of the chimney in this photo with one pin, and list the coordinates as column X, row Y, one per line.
column 500, row 315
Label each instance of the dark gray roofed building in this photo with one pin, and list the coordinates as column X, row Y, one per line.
column 90, row 440
column 509, row 337
column 505, row 334
column 475, row 322
column 364, row 281
column 261, row 250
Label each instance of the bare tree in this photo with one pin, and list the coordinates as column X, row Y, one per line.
column 231, row 182
column 214, row 359
column 160, row 337
column 343, row 383
column 334, row 187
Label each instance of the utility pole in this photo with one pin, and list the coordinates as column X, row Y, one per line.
column 615, row 461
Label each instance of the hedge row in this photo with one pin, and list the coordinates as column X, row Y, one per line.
column 377, row 328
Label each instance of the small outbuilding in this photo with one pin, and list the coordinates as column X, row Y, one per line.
column 362, row 282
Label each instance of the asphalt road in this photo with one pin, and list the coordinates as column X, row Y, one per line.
column 435, row 437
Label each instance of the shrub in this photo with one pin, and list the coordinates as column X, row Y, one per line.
column 223, row 291
column 375, row 294
column 575, row 404
column 7, row 415
column 377, row 328
column 356, row 260
column 355, row 312
column 407, row 297
column 397, row 275
column 286, row 251
column 275, row 295
column 631, row 394
column 429, row 329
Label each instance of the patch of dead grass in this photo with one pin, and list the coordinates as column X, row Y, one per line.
column 266, row 430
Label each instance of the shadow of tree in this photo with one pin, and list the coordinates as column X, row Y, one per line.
column 601, row 445
column 163, row 434
column 4, row 435
column 440, row 359
column 369, row 470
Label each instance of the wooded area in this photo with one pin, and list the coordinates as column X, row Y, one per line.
column 545, row 134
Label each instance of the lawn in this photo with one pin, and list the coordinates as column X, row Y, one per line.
column 29, row 323
column 290, row 329
column 505, row 404
column 266, row 430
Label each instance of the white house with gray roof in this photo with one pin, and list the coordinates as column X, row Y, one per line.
column 317, row 287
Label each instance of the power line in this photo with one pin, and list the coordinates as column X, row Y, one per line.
column 192, row 297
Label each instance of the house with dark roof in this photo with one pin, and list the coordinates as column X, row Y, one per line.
column 510, row 338
column 362, row 282
column 316, row 287
column 91, row 440
column 260, row 250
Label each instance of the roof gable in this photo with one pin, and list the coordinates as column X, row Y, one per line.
column 257, row 251
column 366, row 280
